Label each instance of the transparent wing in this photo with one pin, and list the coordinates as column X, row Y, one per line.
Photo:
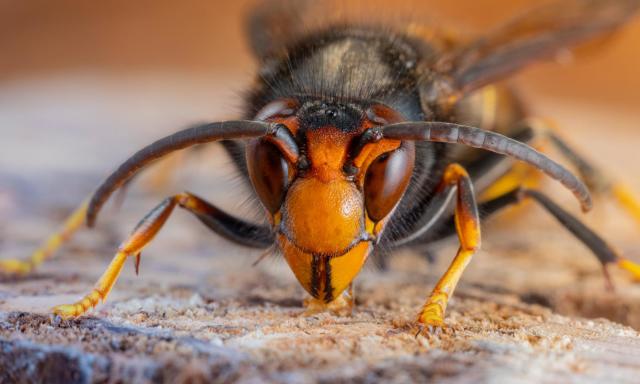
column 273, row 23
column 538, row 34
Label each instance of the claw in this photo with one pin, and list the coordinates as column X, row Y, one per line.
column 429, row 329
column 67, row 311
column 435, row 330
column 431, row 318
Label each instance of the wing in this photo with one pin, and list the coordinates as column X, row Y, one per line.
column 273, row 23
column 535, row 35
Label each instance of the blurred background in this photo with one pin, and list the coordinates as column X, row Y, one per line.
column 42, row 39
column 158, row 64
column 83, row 84
column 122, row 70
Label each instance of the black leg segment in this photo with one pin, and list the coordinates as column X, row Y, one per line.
column 231, row 228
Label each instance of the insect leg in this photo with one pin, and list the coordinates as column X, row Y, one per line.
column 598, row 246
column 18, row 267
column 496, row 175
column 467, row 223
column 603, row 251
column 145, row 231
column 544, row 136
column 225, row 225
column 595, row 178
column 199, row 134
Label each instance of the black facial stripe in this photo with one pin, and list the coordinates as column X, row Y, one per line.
column 301, row 139
column 315, row 281
column 328, row 289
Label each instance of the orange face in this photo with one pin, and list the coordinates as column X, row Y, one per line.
column 330, row 197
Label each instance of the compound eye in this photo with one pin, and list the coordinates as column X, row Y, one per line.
column 269, row 173
column 387, row 179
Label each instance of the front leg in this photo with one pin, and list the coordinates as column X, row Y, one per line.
column 17, row 267
column 234, row 229
column 467, row 222
column 220, row 222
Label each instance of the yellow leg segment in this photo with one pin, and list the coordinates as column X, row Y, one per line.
column 600, row 183
column 597, row 180
column 627, row 200
column 144, row 232
column 99, row 292
column 16, row 267
column 522, row 175
column 631, row 267
column 468, row 228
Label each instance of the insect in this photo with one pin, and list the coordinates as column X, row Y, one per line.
column 348, row 140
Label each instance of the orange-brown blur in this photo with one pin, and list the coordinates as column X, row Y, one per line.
column 42, row 38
